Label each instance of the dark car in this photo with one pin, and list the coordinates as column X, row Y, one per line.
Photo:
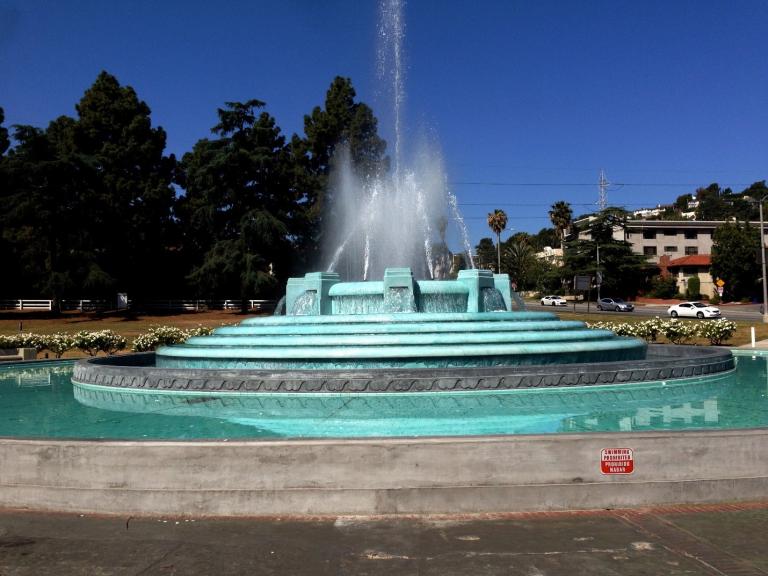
column 615, row 304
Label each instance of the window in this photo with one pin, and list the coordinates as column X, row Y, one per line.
column 691, row 250
column 649, row 250
column 670, row 248
column 670, row 232
column 649, row 235
column 691, row 235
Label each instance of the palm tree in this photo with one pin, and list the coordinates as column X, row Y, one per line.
column 561, row 217
column 497, row 221
column 521, row 262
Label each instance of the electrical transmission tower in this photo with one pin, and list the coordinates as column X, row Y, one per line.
column 602, row 201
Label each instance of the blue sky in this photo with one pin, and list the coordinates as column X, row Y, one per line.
column 528, row 100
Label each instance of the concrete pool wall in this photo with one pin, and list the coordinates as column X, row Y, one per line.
column 381, row 476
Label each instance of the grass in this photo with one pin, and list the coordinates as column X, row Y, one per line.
column 124, row 324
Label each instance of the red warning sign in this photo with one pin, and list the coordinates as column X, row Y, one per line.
column 617, row 461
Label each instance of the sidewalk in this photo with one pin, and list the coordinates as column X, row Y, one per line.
column 691, row 540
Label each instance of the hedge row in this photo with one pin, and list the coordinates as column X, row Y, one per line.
column 93, row 342
column 676, row 331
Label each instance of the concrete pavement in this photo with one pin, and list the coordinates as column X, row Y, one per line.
column 706, row 540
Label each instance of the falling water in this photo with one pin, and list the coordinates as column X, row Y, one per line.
column 391, row 69
column 453, row 203
column 390, row 220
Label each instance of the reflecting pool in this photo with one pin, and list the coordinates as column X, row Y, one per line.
column 39, row 401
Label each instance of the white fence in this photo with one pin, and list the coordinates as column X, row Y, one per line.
column 88, row 305
column 25, row 304
column 197, row 305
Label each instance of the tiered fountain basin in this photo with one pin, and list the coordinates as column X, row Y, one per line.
column 400, row 335
column 394, row 358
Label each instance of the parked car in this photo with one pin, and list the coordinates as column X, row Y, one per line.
column 553, row 301
column 616, row 304
column 694, row 310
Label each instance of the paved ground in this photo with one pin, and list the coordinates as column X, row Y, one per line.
column 706, row 540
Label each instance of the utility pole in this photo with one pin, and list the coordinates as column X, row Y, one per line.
column 602, row 201
column 598, row 274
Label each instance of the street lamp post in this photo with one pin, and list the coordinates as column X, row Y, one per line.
column 762, row 256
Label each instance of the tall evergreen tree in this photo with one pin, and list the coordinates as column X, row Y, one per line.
column 4, row 140
column 623, row 272
column 240, row 209
column 342, row 122
column 46, row 202
column 134, row 194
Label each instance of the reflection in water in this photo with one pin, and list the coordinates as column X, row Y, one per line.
column 41, row 402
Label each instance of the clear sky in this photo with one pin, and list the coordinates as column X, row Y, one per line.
column 527, row 99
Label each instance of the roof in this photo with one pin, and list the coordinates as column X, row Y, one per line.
column 692, row 260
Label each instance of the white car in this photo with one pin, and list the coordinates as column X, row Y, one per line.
column 553, row 301
column 693, row 310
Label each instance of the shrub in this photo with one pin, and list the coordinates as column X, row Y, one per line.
column 693, row 288
column 714, row 299
column 59, row 343
column 717, row 331
column 101, row 341
column 679, row 332
column 165, row 336
column 663, row 287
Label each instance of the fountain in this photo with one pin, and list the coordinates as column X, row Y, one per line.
column 347, row 359
column 399, row 335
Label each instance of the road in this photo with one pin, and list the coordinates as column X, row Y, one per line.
column 742, row 312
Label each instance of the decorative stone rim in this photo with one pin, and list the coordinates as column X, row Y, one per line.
column 663, row 362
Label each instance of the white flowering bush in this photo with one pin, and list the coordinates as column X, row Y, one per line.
column 59, row 343
column 100, row 341
column 165, row 336
column 679, row 332
column 717, row 331
column 647, row 330
column 199, row 331
column 676, row 331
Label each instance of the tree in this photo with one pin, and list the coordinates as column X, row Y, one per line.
column 561, row 216
column 497, row 222
column 623, row 272
column 736, row 259
column 46, row 201
column 521, row 263
column 4, row 141
column 238, row 211
column 134, row 194
column 544, row 237
column 485, row 254
column 693, row 290
column 342, row 122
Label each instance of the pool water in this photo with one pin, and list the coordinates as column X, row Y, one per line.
column 39, row 401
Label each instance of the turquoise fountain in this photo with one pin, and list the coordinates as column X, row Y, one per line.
column 400, row 322
column 398, row 335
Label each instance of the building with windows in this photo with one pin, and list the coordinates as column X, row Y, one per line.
column 681, row 248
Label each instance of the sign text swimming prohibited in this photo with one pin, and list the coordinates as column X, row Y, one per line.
column 617, row 461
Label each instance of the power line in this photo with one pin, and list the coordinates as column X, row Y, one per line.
column 563, row 184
